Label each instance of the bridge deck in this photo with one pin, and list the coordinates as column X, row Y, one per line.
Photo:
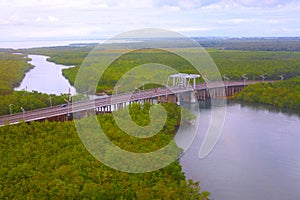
column 74, row 107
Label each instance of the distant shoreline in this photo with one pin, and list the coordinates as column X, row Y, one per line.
column 214, row 42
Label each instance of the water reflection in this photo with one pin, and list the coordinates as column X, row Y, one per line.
column 268, row 108
column 257, row 156
column 46, row 77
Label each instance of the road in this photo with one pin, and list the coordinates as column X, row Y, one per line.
column 74, row 107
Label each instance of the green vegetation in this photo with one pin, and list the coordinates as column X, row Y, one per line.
column 256, row 63
column 234, row 63
column 68, row 55
column 282, row 94
column 140, row 115
column 48, row 161
column 28, row 100
column 12, row 71
column 252, row 44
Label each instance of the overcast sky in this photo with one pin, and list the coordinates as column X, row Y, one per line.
column 94, row 19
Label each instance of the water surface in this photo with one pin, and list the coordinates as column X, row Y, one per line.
column 46, row 77
column 257, row 156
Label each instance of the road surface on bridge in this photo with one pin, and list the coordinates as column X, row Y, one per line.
column 46, row 113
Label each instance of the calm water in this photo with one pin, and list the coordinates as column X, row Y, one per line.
column 55, row 43
column 257, row 156
column 43, row 43
column 46, row 77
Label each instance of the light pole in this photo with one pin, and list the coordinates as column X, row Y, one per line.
column 281, row 77
column 50, row 99
column 116, row 89
column 226, row 78
column 166, row 95
column 205, row 79
column 244, row 76
column 139, row 98
column 10, row 112
column 85, row 95
column 263, row 77
column 23, row 111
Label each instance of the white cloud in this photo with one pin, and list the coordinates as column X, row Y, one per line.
column 192, row 29
column 171, row 8
column 98, row 18
column 52, row 19
column 235, row 21
column 263, row 3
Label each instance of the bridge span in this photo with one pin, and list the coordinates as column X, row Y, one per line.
column 114, row 102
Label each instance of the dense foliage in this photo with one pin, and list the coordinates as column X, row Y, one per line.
column 233, row 63
column 66, row 55
column 28, row 100
column 48, row 160
column 140, row 115
column 283, row 94
column 256, row 63
column 12, row 71
column 252, row 44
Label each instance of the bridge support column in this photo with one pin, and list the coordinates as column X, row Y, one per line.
column 189, row 97
column 120, row 106
column 203, row 94
column 172, row 98
column 161, row 99
column 193, row 97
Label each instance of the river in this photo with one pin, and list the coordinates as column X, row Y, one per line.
column 256, row 157
column 46, row 77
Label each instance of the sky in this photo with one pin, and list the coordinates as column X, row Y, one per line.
column 23, row 20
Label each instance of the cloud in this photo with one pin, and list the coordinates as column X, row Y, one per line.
column 263, row 3
column 196, row 4
column 183, row 4
column 98, row 18
column 236, row 21
column 52, row 19
column 192, row 29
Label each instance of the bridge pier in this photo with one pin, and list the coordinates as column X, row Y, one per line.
column 170, row 98
column 228, row 91
column 189, row 97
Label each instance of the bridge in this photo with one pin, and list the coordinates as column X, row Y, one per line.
column 107, row 104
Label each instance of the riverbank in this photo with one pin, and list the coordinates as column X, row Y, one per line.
column 282, row 94
column 46, row 77
column 12, row 70
column 233, row 63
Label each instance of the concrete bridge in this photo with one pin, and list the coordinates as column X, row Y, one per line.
column 107, row 104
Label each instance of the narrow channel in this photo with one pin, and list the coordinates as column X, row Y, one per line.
column 46, row 77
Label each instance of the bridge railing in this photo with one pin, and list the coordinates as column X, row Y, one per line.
column 114, row 99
